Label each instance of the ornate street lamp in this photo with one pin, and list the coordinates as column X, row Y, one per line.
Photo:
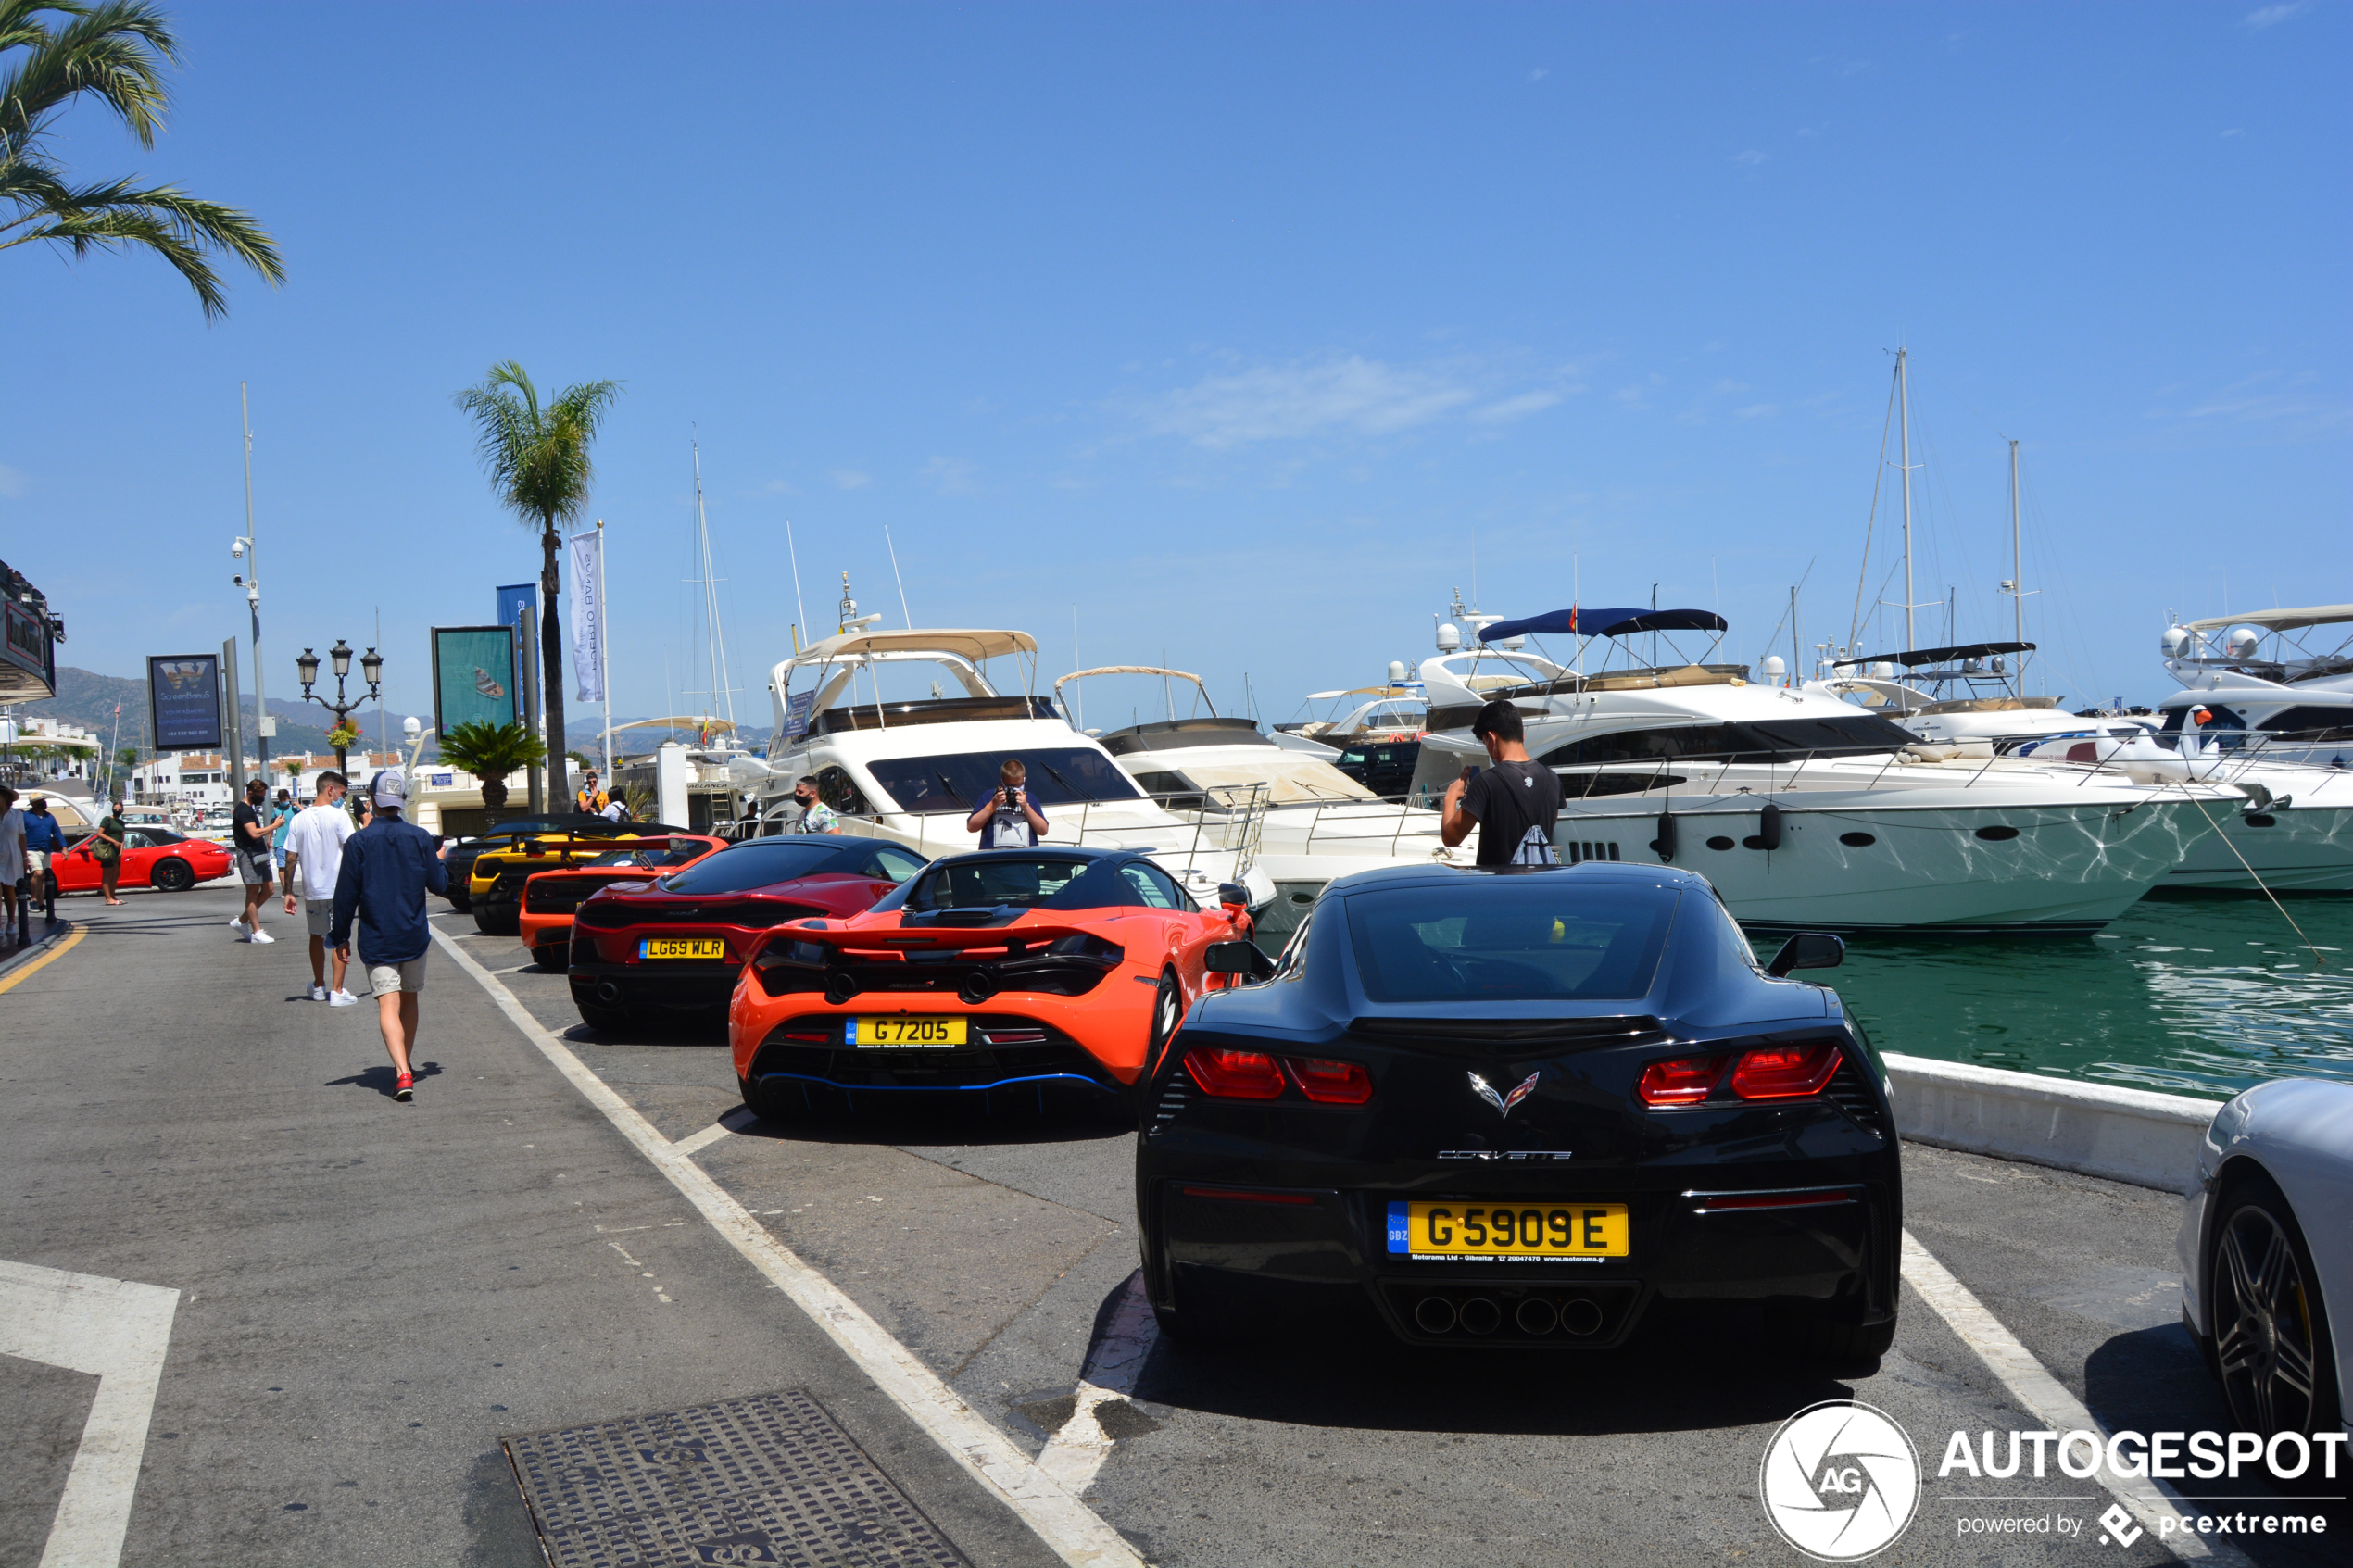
column 371, row 667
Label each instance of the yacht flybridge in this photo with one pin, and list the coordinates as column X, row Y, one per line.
column 1318, row 823
column 1804, row 811
column 914, row 769
column 2284, row 676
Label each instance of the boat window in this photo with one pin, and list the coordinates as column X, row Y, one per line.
column 762, row 862
column 838, row 790
column 1781, row 740
column 2312, row 722
column 959, row 782
column 1538, row 937
column 1161, row 783
column 1154, row 887
column 1051, row 882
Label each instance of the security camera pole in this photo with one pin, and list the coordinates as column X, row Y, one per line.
column 250, row 580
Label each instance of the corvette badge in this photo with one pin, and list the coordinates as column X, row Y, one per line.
column 1503, row 1103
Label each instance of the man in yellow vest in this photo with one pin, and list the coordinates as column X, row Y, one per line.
column 591, row 799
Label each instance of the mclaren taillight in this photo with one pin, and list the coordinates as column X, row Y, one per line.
column 1686, row 1080
column 1785, row 1072
column 1235, row 1074
column 1330, row 1082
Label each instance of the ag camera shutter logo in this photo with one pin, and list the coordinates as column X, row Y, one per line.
column 1839, row 1480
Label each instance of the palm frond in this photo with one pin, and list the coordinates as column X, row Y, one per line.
column 536, row 458
column 113, row 51
column 119, row 216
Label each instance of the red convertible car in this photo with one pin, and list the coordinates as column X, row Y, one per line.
column 677, row 943
column 152, row 856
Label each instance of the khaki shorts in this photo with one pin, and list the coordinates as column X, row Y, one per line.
column 318, row 915
column 390, row 979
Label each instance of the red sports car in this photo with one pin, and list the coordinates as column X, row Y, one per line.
column 678, row 943
column 1002, row 976
column 550, row 898
column 152, row 856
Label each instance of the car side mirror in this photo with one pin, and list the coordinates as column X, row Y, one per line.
column 1239, row 958
column 1807, row 949
column 1233, row 895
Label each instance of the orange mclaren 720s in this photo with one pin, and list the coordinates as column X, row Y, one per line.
column 1011, row 978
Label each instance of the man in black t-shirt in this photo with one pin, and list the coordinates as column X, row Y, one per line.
column 1514, row 804
column 249, row 852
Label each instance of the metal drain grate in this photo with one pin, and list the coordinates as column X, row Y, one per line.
column 769, row 1479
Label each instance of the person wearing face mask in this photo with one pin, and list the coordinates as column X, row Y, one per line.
column 815, row 815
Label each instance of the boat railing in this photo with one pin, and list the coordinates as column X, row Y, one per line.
column 1218, row 829
column 1368, row 832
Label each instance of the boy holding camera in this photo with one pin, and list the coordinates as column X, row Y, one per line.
column 1007, row 819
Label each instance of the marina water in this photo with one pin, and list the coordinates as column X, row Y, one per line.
column 2187, row 995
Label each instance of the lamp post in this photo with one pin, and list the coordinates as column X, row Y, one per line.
column 372, row 666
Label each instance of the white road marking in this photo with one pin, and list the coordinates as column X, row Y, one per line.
column 1074, row 1454
column 2047, row 1399
column 119, row 1331
column 735, row 1120
column 1069, row 1528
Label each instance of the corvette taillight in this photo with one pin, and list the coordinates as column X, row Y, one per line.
column 1785, row 1072
column 1330, row 1082
column 1235, row 1074
column 1686, row 1080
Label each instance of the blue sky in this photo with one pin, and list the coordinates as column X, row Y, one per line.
column 1241, row 329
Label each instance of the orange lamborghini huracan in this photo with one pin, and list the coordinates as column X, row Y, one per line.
column 1010, row 977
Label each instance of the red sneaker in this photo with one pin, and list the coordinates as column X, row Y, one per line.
column 404, row 1086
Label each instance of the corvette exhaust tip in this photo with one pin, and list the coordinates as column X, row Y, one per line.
column 1434, row 1315
column 609, row 992
column 1481, row 1316
column 1580, row 1316
column 1535, row 1316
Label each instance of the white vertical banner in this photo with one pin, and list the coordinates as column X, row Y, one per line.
column 585, row 601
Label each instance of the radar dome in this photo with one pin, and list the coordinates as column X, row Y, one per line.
column 1774, row 668
column 1449, row 637
column 2176, row 641
column 2242, row 642
column 1396, row 672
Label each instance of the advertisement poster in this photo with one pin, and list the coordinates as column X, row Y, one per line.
column 474, row 676
column 183, row 701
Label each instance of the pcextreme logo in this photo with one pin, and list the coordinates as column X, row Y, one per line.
column 1839, row 1480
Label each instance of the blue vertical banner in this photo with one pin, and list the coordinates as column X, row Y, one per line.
column 513, row 600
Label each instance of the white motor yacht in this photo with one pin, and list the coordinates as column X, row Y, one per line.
column 915, row 770
column 2266, row 674
column 1804, row 811
column 1319, row 824
column 2291, row 828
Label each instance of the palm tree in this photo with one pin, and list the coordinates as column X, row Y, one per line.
column 114, row 51
column 537, row 460
column 490, row 752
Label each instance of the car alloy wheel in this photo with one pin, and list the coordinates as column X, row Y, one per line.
column 173, row 875
column 2269, row 1329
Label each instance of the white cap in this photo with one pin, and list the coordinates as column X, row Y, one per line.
column 391, row 788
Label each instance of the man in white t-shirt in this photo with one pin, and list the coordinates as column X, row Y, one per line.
column 314, row 858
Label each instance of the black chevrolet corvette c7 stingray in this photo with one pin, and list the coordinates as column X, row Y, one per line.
column 1523, row 1108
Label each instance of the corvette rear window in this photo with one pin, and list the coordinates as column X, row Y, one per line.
column 762, row 862
column 1539, row 938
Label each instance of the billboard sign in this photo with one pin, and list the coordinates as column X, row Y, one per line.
column 183, row 702
column 513, row 600
column 474, row 676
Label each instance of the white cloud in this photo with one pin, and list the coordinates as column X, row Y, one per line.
column 1758, row 411
column 849, row 479
column 2233, row 130
column 1539, row 74
column 2271, row 15
column 1752, row 156
column 1279, row 402
column 950, row 476
column 12, row 482
column 1517, row 408
column 779, row 487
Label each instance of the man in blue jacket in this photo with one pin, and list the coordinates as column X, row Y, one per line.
column 389, row 867
column 42, row 838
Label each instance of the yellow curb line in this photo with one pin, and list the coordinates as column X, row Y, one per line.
column 51, row 956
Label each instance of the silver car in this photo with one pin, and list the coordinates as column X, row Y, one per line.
column 2267, row 1254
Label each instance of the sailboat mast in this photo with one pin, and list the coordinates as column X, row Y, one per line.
column 2018, row 577
column 714, row 635
column 1903, row 395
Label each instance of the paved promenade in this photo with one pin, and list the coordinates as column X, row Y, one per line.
column 373, row 1296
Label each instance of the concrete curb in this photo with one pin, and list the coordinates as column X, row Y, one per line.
column 14, row 956
column 2133, row 1135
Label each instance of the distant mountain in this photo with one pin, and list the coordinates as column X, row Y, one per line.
column 88, row 699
